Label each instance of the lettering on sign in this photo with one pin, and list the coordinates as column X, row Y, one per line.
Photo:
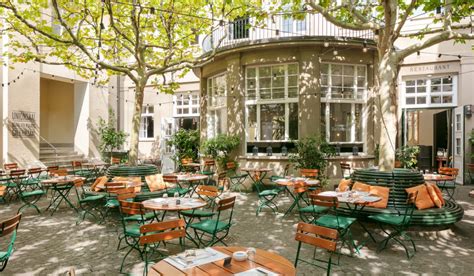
column 432, row 67
column 23, row 124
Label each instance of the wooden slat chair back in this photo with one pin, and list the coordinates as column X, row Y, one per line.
column 9, row 226
column 170, row 179
column 226, row 203
column 58, row 172
column 300, row 188
column 17, row 173
column 209, row 165
column 52, row 168
column 207, row 190
column 186, row 160
column 449, row 171
column 76, row 165
column 345, row 169
column 325, row 201
column 310, row 173
column 316, row 236
column 231, row 166
column 10, row 166
column 125, row 193
column 35, row 172
column 162, row 231
column 131, row 208
column 99, row 181
column 114, row 160
column 222, row 180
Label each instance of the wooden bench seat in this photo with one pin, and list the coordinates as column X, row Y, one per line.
column 398, row 181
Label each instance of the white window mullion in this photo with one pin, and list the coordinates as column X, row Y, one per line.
column 353, row 125
column 328, row 121
column 287, row 122
column 258, row 122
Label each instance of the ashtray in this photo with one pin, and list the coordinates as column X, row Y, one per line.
column 239, row 256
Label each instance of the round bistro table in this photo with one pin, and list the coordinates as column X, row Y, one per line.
column 264, row 259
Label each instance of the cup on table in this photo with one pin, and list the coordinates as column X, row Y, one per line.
column 251, row 251
column 165, row 195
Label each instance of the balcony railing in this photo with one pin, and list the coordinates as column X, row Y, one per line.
column 242, row 32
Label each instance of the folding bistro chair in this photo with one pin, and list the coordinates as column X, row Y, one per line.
column 266, row 196
column 87, row 203
column 346, row 170
column 448, row 186
column 319, row 237
column 8, row 226
column 173, row 179
column 335, row 221
column 29, row 193
column 308, row 209
column 399, row 224
column 210, row 231
column 236, row 180
column 10, row 166
column 151, row 235
column 208, row 194
column 35, row 175
column 209, row 169
column 16, row 176
column 116, row 191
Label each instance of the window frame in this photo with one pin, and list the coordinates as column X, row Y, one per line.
column 146, row 113
column 429, row 93
column 190, row 105
column 213, row 110
column 258, row 102
column 327, row 100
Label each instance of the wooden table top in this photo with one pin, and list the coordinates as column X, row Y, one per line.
column 355, row 197
column 61, row 180
column 191, row 165
column 190, row 177
column 256, row 169
column 293, row 181
column 438, row 177
column 265, row 259
column 185, row 204
column 127, row 184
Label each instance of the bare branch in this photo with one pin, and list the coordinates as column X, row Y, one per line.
column 404, row 18
column 437, row 30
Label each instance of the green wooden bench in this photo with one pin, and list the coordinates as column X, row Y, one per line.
column 398, row 180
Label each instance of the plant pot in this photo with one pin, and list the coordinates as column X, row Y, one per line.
column 398, row 164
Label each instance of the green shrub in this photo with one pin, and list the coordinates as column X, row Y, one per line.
column 312, row 153
column 220, row 148
column 110, row 138
column 186, row 145
column 407, row 156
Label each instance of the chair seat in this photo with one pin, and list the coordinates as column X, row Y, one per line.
column 31, row 181
column 3, row 255
column 269, row 192
column 313, row 209
column 331, row 221
column 209, row 225
column 62, row 187
column 238, row 176
column 180, row 191
column 447, row 185
column 10, row 184
column 138, row 217
column 33, row 193
column 112, row 203
column 388, row 219
column 207, row 172
column 132, row 230
column 92, row 198
column 197, row 213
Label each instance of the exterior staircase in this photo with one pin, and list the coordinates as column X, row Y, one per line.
column 62, row 156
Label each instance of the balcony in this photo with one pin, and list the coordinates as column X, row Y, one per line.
column 241, row 32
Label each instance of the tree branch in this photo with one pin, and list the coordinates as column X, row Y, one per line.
column 408, row 12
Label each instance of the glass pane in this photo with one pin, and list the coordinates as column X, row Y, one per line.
column 336, row 92
column 250, row 83
column 278, row 93
column 272, row 121
column 195, row 110
column 348, row 81
column 292, row 80
column 340, row 122
column 265, row 94
column 447, row 80
column 435, row 81
column 410, row 83
column 358, row 122
column 435, row 88
column 292, row 92
column 180, row 111
column 265, row 71
column 447, row 99
column 410, row 90
column 251, row 72
column 421, row 89
column 421, row 100
column 447, row 88
column 293, row 121
column 336, row 80
column 361, row 71
column 185, row 110
column 348, row 93
column 151, row 109
column 325, row 68
column 250, row 94
column 252, row 123
column 278, row 70
column 265, row 83
column 421, row 82
column 336, row 69
column 221, row 117
column 360, row 94
column 410, row 100
column 348, row 70
column 324, row 80
column 361, row 82
column 324, row 91
column 292, row 69
column 278, row 81
column 436, row 99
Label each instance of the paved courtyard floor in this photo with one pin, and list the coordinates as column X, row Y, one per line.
column 50, row 245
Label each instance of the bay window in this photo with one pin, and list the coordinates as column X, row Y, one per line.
column 271, row 105
column 343, row 93
column 217, row 105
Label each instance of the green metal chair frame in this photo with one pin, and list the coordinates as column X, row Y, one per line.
column 212, row 228
column 6, row 227
column 317, row 236
column 399, row 224
column 133, row 216
column 173, row 179
column 308, row 209
column 28, row 192
column 236, row 180
column 448, row 186
column 266, row 196
column 335, row 221
column 116, row 191
column 12, row 183
column 209, row 169
column 151, row 235
column 87, row 203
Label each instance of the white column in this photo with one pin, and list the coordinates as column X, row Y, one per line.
column 81, row 117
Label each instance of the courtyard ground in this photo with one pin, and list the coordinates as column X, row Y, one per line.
column 50, row 245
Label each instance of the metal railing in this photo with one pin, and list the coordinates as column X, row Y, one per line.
column 242, row 32
column 51, row 146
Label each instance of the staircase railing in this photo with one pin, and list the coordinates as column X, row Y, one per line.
column 51, row 146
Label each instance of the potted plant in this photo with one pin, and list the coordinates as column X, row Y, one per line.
column 111, row 139
column 312, row 153
column 407, row 156
column 186, row 145
column 220, row 148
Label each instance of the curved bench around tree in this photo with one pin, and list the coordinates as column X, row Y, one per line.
column 398, row 180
